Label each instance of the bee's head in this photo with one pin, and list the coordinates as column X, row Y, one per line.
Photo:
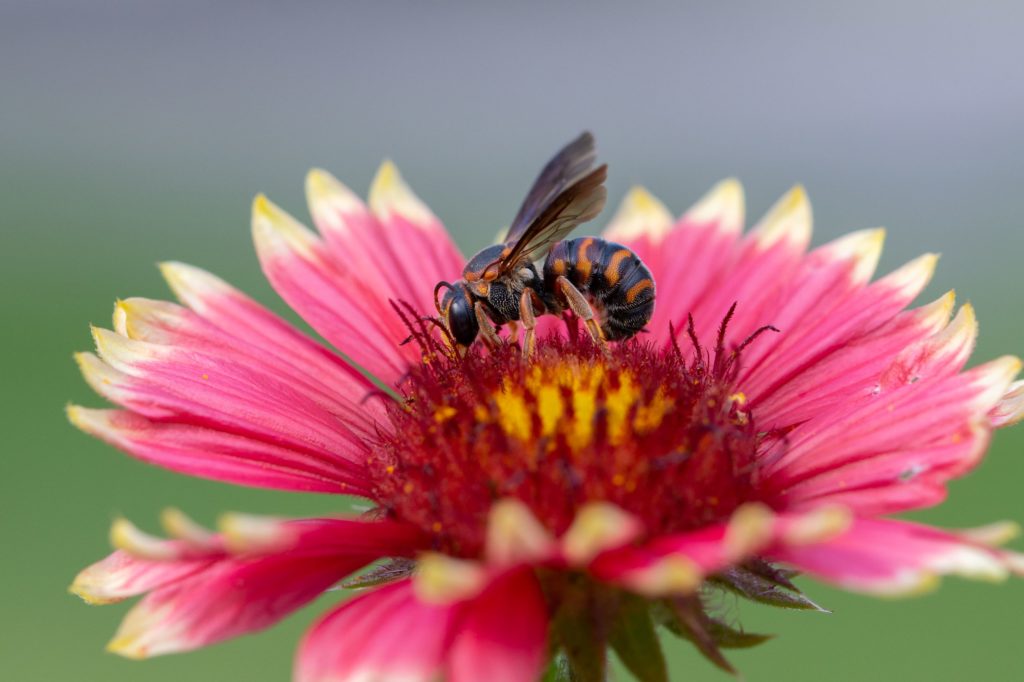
column 457, row 312
column 484, row 268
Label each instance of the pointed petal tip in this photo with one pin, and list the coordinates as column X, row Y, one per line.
column 249, row 533
column 179, row 525
column 819, row 525
column 723, row 206
column 191, row 285
column 914, row 276
column 789, row 220
column 750, row 529
column 441, row 579
column 91, row 421
column 389, row 194
column 127, row 647
column 640, row 214
column 276, row 232
column 935, row 315
column 994, row 534
column 1010, row 408
column 994, row 380
column 515, row 535
column 673, row 574
column 598, row 527
column 863, row 249
column 327, row 197
column 127, row 537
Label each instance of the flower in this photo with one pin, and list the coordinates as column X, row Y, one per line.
column 533, row 512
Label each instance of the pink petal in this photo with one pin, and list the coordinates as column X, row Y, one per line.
column 219, row 393
column 398, row 244
column 851, row 372
column 929, row 413
column 502, row 635
column 771, row 365
column 121, row 575
column 767, row 259
column 337, row 302
column 893, row 480
column 252, row 591
column 895, row 557
column 246, row 326
column 218, row 455
column 324, row 377
column 1010, row 408
column 678, row 563
column 384, row 634
column 701, row 244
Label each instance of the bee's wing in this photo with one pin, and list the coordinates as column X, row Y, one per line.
column 576, row 204
column 566, row 168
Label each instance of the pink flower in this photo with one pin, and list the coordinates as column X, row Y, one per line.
column 534, row 512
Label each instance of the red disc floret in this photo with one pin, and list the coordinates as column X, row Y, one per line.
column 667, row 438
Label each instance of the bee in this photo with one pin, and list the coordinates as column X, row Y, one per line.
column 604, row 284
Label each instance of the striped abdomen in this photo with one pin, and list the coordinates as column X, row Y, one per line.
column 617, row 283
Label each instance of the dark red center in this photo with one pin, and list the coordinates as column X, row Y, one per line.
column 666, row 437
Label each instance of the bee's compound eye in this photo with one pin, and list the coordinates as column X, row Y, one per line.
column 462, row 319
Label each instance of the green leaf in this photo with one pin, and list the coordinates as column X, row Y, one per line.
column 635, row 641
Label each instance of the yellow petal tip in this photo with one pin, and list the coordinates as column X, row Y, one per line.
column 390, row 195
column 441, row 579
column 789, row 220
column 327, row 196
column 724, row 206
column 640, row 214
column 598, row 527
column 514, row 534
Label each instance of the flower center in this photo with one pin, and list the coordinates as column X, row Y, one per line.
column 667, row 439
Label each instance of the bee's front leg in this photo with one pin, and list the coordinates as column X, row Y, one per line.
column 578, row 304
column 527, row 301
column 487, row 329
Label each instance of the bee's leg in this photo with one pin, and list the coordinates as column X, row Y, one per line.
column 578, row 304
column 529, row 320
column 487, row 329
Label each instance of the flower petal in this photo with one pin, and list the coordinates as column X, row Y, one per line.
column 220, row 393
column 852, row 371
column 251, row 591
column 502, row 634
column 298, row 361
column 677, row 564
column 217, row 455
column 121, row 575
column 642, row 222
column 912, row 418
column 756, row 274
column 701, row 244
column 894, row 558
column 241, row 323
column 1010, row 408
column 385, row 634
column 846, row 314
column 344, row 308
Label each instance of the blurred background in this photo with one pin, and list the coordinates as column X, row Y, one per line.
column 137, row 132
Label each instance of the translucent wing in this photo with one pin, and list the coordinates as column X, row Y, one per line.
column 577, row 204
column 567, row 167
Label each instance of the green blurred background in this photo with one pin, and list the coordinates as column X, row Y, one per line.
column 138, row 132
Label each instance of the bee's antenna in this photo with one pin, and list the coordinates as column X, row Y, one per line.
column 442, row 283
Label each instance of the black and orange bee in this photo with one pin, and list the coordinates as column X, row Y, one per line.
column 604, row 284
